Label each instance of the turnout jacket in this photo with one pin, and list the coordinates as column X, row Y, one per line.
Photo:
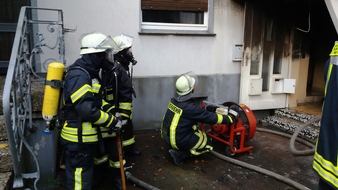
column 125, row 89
column 82, row 103
column 180, row 120
column 325, row 161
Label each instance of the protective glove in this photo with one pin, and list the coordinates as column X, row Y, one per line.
column 118, row 115
column 116, row 126
column 234, row 115
column 121, row 118
column 221, row 111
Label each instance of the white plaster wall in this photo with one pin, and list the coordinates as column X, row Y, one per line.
column 157, row 55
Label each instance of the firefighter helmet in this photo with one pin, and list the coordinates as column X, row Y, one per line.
column 185, row 84
column 123, row 42
column 96, row 42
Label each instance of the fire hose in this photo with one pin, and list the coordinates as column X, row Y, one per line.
column 260, row 170
column 140, row 183
column 294, row 136
column 292, row 148
column 279, row 177
column 256, row 168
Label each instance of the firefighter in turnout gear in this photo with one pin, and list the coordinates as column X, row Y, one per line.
column 325, row 159
column 124, row 62
column 179, row 127
column 82, row 110
column 107, row 159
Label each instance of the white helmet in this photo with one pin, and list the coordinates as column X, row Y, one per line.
column 184, row 84
column 95, row 43
column 123, row 42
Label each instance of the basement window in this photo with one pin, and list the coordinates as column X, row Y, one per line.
column 172, row 16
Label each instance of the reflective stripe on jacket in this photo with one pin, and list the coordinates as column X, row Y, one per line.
column 325, row 159
column 79, row 93
column 180, row 119
column 125, row 90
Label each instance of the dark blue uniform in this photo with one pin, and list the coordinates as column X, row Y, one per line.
column 83, row 114
column 124, row 100
column 179, row 126
column 325, row 159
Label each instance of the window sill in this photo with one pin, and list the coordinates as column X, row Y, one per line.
column 176, row 32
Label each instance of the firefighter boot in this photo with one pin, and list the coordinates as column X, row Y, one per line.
column 131, row 151
column 179, row 156
column 116, row 181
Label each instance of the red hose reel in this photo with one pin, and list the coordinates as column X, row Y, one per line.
column 235, row 135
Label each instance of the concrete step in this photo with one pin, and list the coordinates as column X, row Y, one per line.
column 5, row 158
column 4, row 180
column 6, row 166
column 288, row 120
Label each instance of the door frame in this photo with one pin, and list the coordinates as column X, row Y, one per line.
column 269, row 91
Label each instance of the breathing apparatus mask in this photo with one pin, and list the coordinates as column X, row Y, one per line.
column 124, row 44
column 125, row 57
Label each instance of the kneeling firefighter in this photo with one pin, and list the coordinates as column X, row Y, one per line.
column 179, row 127
column 82, row 110
column 121, row 92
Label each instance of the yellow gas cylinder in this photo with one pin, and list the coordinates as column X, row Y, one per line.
column 52, row 90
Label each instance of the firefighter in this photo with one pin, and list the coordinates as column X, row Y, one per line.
column 107, row 160
column 82, row 110
column 124, row 62
column 179, row 127
column 325, row 159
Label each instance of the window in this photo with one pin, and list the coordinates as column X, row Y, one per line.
column 176, row 16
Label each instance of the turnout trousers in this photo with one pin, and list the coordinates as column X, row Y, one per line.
column 79, row 165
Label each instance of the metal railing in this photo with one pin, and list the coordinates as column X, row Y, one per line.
column 26, row 59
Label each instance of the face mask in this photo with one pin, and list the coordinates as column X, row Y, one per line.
column 129, row 57
column 107, row 65
column 109, row 56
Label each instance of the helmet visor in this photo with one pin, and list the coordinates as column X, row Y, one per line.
column 128, row 40
column 123, row 41
column 191, row 78
column 107, row 44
